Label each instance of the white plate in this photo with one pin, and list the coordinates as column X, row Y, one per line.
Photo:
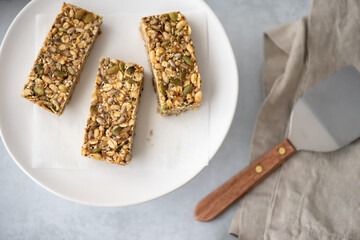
column 106, row 187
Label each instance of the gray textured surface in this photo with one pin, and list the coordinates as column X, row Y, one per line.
column 29, row 212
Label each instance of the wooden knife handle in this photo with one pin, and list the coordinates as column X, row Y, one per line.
column 220, row 199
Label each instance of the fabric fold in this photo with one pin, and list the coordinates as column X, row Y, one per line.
column 275, row 114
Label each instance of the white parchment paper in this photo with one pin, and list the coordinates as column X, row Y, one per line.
column 176, row 142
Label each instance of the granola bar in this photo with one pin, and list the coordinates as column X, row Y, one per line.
column 110, row 128
column 172, row 59
column 61, row 59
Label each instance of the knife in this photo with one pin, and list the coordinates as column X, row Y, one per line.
column 324, row 119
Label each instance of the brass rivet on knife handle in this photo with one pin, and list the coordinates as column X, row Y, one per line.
column 224, row 196
column 282, row 150
column 258, row 169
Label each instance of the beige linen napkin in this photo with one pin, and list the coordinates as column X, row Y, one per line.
column 313, row 195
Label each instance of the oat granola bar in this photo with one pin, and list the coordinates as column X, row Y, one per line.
column 110, row 128
column 61, row 59
column 172, row 58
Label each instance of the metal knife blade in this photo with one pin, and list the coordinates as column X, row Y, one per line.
column 327, row 117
